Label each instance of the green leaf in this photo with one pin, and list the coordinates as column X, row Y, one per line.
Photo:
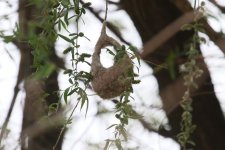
column 68, row 50
column 203, row 40
column 170, row 60
column 56, row 4
column 118, row 144
column 123, row 47
column 45, row 70
column 87, row 107
column 106, row 145
column 68, row 71
column 111, row 126
column 83, row 100
column 76, row 4
column 123, row 132
column 64, row 25
column 85, row 5
column 117, row 116
column 65, row 38
column 135, row 115
column 59, row 25
column 83, row 11
column 83, row 56
column 8, row 39
column 52, row 109
column 65, row 3
column 72, row 91
column 110, row 52
column 65, row 96
column 191, row 143
column 136, row 81
column 81, row 34
column 83, row 97
column 124, row 120
column 187, row 27
column 87, row 63
column 71, row 81
column 136, row 54
column 73, row 34
column 69, row 121
column 77, row 46
column 138, row 59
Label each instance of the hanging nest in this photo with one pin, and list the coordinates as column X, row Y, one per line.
column 113, row 81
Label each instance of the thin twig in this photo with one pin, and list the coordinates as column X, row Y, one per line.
column 109, row 25
column 10, row 56
column 222, row 8
column 106, row 9
column 5, row 124
column 21, row 75
column 64, row 126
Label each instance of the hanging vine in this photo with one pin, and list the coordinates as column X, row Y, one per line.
column 191, row 71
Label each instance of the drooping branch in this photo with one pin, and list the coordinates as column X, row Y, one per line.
column 184, row 6
column 165, row 34
column 173, row 93
column 42, row 126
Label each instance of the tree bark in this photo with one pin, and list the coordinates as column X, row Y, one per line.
column 36, row 105
column 150, row 17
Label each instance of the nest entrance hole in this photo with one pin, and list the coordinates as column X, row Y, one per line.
column 107, row 59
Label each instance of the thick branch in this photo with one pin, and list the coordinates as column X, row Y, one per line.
column 185, row 7
column 170, row 95
column 169, row 31
column 165, row 34
column 42, row 125
column 173, row 93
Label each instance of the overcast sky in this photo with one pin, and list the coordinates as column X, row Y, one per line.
column 84, row 129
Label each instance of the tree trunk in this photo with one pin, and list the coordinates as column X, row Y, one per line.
column 36, row 105
column 150, row 17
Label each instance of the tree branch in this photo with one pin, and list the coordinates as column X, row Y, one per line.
column 184, row 6
column 169, row 99
column 173, row 93
column 109, row 25
column 42, row 125
column 222, row 8
column 166, row 33
column 24, row 61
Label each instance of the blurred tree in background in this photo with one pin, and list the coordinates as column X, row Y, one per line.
column 158, row 23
